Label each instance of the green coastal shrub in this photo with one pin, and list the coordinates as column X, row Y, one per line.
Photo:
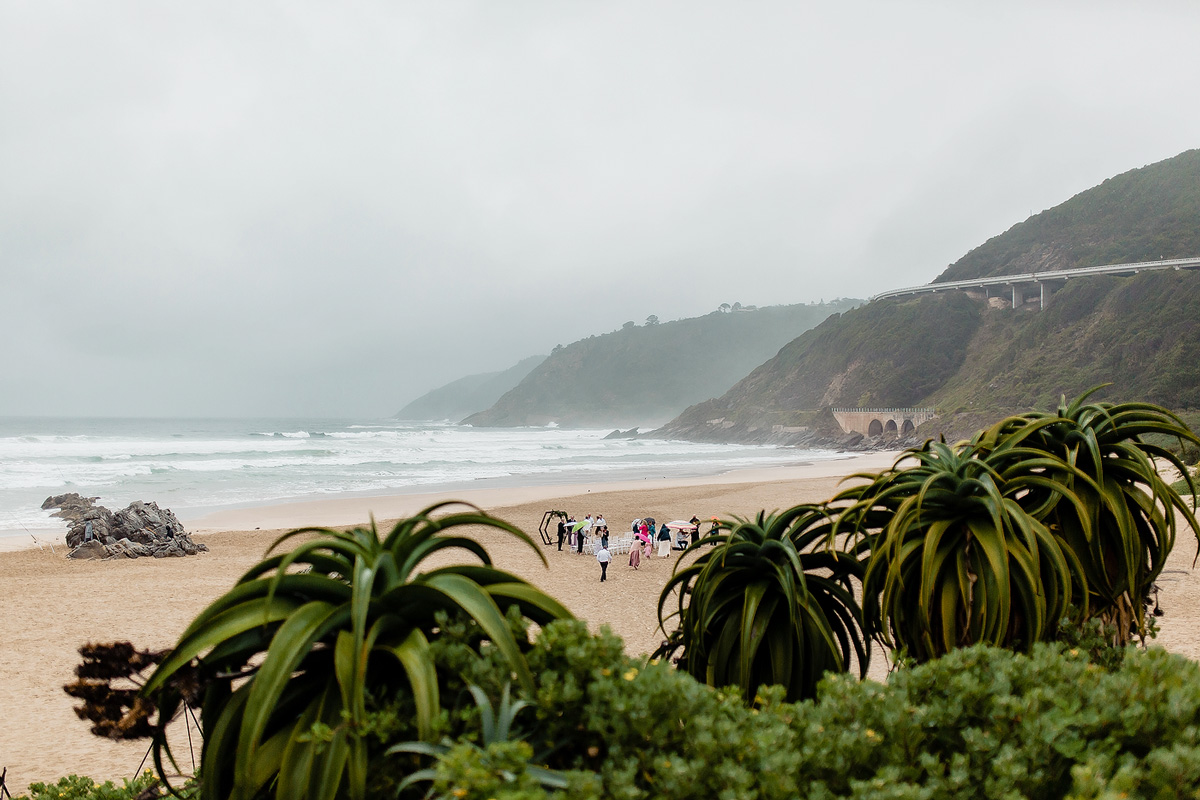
column 623, row 727
column 978, row 722
column 76, row 787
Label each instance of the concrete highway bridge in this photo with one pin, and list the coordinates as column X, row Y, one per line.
column 878, row 421
column 1025, row 287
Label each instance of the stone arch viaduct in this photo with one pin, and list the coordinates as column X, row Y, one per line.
column 880, row 421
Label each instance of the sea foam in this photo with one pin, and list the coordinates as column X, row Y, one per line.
column 193, row 466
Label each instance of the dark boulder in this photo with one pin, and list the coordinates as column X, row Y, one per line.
column 136, row 531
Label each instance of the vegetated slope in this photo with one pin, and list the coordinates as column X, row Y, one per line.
column 1141, row 215
column 977, row 360
column 642, row 375
column 467, row 395
column 1141, row 334
column 893, row 353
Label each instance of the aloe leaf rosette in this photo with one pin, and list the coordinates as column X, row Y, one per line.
column 1124, row 526
column 766, row 601
column 303, row 637
column 954, row 559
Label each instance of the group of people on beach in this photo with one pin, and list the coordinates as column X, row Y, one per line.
column 644, row 533
column 575, row 534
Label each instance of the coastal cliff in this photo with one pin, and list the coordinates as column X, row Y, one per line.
column 976, row 358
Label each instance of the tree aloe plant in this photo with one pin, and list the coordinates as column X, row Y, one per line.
column 771, row 603
column 497, row 727
column 1124, row 527
column 288, row 656
column 954, row 559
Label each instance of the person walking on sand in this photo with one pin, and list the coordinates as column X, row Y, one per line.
column 603, row 556
column 635, row 555
column 664, row 541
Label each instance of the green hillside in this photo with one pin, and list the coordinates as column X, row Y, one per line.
column 975, row 360
column 1141, row 215
column 642, row 375
column 467, row 395
column 1141, row 333
column 882, row 354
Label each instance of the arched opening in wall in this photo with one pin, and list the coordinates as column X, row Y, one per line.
column 907, row 427
column 875, row 428
column 890, row 427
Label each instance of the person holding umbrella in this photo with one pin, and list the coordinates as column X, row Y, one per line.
column 641, row 540
column 581, row 533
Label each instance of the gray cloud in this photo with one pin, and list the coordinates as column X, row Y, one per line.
column 295, row 208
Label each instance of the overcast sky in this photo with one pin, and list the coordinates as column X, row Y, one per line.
column 256, row 208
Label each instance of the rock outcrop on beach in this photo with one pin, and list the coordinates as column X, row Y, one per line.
column 136, row 531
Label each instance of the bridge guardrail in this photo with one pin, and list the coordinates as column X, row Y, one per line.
column 1039, row 277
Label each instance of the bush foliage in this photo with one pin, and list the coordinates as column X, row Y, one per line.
column 980, row 721
column 77, row 787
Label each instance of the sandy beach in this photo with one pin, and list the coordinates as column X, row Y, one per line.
column 51, row 605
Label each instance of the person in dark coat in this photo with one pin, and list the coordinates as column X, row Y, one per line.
column 562, row 532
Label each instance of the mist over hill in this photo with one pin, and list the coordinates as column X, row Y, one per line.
column 467, row 395
column 642, row 375
column 979, row 359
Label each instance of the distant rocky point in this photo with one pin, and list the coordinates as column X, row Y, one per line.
column 138, row 530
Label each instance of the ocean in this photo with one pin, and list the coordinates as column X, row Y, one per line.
column 195, row 466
